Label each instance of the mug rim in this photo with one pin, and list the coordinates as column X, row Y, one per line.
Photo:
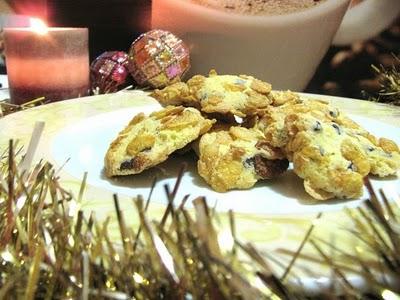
column 223, row 16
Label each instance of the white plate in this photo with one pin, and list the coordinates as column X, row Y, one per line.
column 86, row 142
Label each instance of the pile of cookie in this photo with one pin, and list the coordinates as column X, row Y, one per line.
column 242, row 132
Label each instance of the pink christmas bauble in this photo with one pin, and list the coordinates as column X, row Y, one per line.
column 158, row 58
column 109, row 72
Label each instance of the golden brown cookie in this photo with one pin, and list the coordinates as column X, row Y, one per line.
column 378, row 156
column 272, row 122
column 220, row 94
column 331, row 162
column 237, row 159
column 383, row 154
column 149, row 140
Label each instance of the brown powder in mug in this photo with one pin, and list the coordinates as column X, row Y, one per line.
column 260, row 7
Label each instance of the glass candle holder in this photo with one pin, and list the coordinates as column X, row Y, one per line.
column 51, row 63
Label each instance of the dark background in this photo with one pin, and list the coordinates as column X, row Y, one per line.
column 114, row 24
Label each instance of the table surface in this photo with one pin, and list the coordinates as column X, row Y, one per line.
column 271, row 232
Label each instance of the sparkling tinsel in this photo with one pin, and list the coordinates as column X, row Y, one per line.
column 389, row 79
column 50, row 250
column 7, row 108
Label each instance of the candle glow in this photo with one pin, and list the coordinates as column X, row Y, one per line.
column 38, row 26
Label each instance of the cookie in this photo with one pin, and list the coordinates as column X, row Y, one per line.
column 149, row 140
column 383, row 154
column 318, row 127
column 331, row 162
column 237, row 158
column 272, row 122
column 218, row 94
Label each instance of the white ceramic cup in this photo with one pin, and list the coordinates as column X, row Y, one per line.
column 284, row 50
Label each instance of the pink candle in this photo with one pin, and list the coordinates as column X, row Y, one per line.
column 51, row 62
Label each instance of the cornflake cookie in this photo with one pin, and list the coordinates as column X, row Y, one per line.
column 331, row 163
column 221, row 94
column 237, row 158
column 333, row 159
column 147, row 141
column 304, row 137
column 383, row 154
column 272, row 122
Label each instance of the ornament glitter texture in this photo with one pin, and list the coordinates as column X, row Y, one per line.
column 109, row 72
column 158, row 58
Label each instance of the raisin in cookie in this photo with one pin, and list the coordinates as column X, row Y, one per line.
column 221, row 94
column 237, row 158
column 147, row 141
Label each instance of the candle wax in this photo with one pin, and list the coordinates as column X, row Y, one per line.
column 54, row 64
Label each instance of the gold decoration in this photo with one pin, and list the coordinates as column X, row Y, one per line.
column 389, row 79
column 7, row 108
column 50, row 250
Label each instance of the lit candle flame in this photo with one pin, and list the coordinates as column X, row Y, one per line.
column 38, row 26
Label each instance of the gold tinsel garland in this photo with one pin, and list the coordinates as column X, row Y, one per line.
column 389, row 79
column 7, row 108
column 51, row 250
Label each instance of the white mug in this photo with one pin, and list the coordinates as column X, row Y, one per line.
column 284, row 50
